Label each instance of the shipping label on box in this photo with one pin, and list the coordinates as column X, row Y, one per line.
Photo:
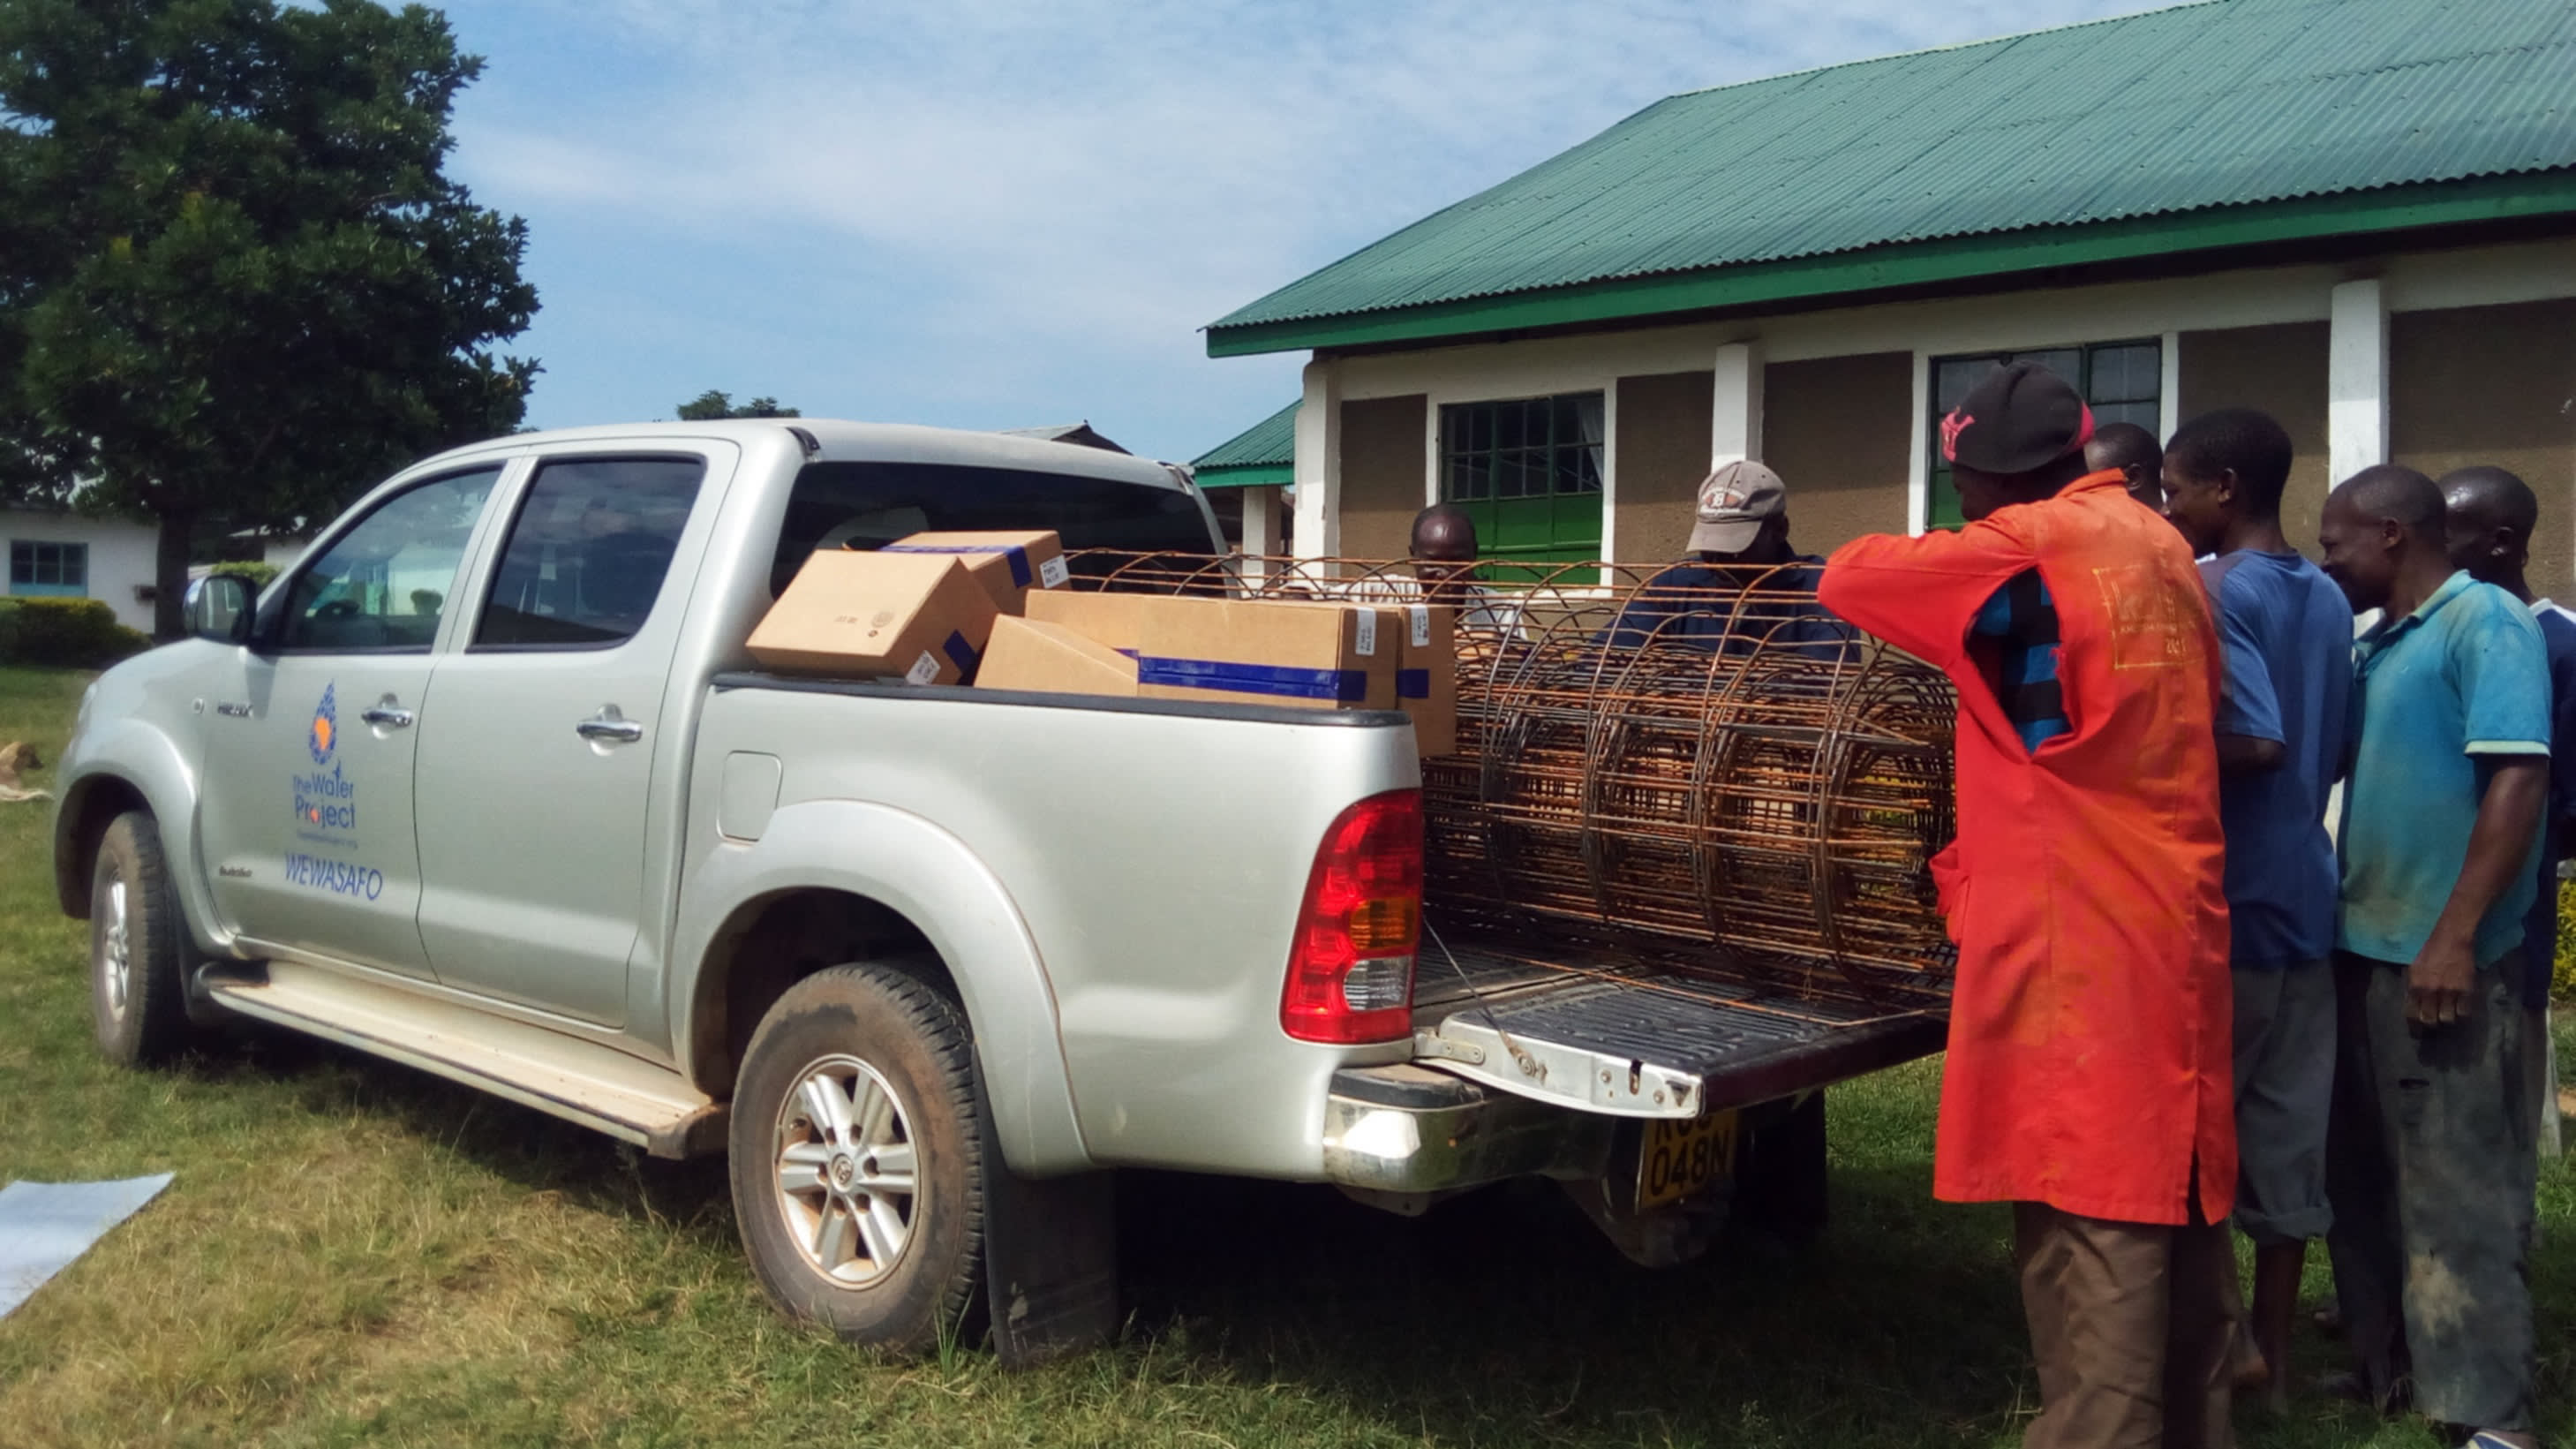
column 1052, row 659
column 1007, row 564
column 918, row 617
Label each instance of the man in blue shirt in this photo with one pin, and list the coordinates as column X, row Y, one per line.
column 1748, row 589
column 2431, row 1160
column 2284, row 633
column 2491, row 515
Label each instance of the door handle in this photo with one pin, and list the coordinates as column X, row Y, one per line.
column 388, row 712
column 612, row 725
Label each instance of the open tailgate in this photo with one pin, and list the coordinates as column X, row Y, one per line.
column 1608, row 1030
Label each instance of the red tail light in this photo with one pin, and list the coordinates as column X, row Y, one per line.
column 1350, row 971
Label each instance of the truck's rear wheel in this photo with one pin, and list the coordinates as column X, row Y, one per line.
column 856, row 1165
column 139, row 950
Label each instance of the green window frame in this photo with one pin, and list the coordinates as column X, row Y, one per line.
column 1529, row 471
column 43, row 568
column 2122, row 381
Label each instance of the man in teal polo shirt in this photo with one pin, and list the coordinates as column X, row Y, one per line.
column 2431, row 1162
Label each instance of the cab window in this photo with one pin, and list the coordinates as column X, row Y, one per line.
column 589, row 552
column 380, row 587
column 871, row 504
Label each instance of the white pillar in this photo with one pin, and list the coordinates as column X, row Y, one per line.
column 2168, row 387
column 1735, row 412
column 1260, row 525
column 2356, row 379
column 1319, row 463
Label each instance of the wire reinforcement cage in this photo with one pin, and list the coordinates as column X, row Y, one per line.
column 1657, row 758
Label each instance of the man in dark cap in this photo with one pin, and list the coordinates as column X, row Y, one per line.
column 1748, row 587
column 2431, row 1159
column 2087, row 1078
column 2131, row 451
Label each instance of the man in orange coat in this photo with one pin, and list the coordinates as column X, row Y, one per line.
column 2088, row 1076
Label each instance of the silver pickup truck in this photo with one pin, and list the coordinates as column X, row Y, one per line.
column 487, row 784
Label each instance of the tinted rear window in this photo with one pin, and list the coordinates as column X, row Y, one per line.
column 869, row 505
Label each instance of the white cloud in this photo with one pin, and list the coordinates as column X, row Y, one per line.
column 1107, row 177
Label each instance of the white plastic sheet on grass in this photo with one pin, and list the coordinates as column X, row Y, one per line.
column 44, row 1226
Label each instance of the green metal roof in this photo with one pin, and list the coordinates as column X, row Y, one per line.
column 1266, row 452
column 2159, row 132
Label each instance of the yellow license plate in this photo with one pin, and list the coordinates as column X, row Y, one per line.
column 1678, row 1158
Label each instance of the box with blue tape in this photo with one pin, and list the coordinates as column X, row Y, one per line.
column 1009, row 565
column 920, row 617
column 1243, row 651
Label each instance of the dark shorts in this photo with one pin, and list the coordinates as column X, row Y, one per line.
column 2285, row 1062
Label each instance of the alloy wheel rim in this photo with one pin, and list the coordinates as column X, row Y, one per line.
column 844, row 1171
column 113, row 952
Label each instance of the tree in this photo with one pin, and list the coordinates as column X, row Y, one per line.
column 234, row 282
column 711, row 405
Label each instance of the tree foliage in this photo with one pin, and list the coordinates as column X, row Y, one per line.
column 711, row 404
column 234, row 280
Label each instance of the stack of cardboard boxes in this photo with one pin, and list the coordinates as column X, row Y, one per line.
column 921, row 608
column 987, row 608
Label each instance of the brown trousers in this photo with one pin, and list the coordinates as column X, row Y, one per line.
column 2131, row 1324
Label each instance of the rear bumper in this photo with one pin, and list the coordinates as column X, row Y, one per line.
column 1410, row 1129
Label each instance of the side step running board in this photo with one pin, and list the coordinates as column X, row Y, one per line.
column 580, row 1081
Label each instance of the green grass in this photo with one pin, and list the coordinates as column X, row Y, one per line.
column 357, row 1252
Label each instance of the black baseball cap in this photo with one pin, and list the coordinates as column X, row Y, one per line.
column 2019, row 418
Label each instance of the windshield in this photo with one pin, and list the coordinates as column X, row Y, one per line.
column 869, row 505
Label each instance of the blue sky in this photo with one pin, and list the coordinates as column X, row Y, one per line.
column 996, row 213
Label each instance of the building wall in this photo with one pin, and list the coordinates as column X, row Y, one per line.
column 1853, row 452
column 2494, row 385
column 1662, row 453
column 1840, row 433
column 2280, row 369
column 1382, row 474
column 120, row 556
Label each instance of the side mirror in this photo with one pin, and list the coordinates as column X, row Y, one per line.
column 218, row 607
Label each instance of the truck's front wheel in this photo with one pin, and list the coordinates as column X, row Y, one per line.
column 857, row 1174
column 139, row 950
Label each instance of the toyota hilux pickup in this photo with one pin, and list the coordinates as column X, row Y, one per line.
column 487, row 784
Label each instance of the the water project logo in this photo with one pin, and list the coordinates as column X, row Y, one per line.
column 324, row 735
column 325, row 800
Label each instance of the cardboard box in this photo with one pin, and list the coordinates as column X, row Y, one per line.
column 1426, row 676
column 872, row 614
column 1266, row 651
column 1007, row 565
column 1117, row 620
column 1321, row 656
column 1052, row 659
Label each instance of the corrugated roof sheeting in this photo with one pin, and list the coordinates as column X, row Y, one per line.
column 1271, row 441
column 2215, row 104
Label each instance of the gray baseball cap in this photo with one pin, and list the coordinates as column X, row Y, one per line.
column 1734, row 502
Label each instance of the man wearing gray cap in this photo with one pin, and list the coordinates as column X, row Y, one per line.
column 1747, row 589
